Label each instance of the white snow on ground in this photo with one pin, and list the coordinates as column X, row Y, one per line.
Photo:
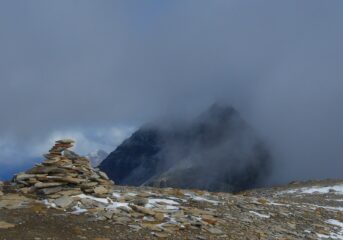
column 338, row 225
column 313, row 206
column 49, row 204
column 108, row 202
column 178, row 199
column 131, row 194
column 118, row 204
column 260, row 215
column 116, row 194
column 167, row 203
column 336, row 189
column 194, row 197
column 278, row 204
column 202, row 199
column 78, row 209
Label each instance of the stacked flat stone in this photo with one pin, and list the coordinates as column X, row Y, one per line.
column 1, row 186
column 63, row 173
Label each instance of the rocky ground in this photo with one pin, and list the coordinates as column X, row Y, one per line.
column 298, row 211
column 65, row 198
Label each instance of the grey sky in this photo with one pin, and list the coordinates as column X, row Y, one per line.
column 82, row 67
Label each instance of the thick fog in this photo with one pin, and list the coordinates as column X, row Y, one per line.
column 96, row 70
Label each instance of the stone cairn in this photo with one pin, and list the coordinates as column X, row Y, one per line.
column 63, row 173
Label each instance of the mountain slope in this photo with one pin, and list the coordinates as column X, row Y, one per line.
column 216, row 151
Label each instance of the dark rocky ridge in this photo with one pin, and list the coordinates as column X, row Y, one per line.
column 217, row 151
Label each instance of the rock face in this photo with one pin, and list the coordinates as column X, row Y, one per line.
column 63, row 172
column 217, row 151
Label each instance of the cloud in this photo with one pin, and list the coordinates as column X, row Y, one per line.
column 77, row 66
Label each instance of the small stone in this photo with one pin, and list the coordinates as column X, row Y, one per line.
column 140, row 201
column 86, row 185
column 100, row 190
column 215, row 231
column 48, row 191
column 135, row 227
column 24, row 176
column 107, row 214
column 70, row 192
column 209, row 219
column 201, row 237
column 160, row 234
column 144, row 210
column 122, row 220
column 65, row 141
column 25, row 190
column 103, row 175
column 47, row 185
column 64, row 202
column 152, row 227
column 159, row 216
column 6, row 225
column 72, row 180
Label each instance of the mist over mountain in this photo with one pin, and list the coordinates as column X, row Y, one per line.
column 217, row 151
column 96, row 157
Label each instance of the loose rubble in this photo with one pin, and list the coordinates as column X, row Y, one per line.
column 66, row 182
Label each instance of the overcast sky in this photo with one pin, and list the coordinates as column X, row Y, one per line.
column 97, row 70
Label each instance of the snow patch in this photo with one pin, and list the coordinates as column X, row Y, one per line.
column 78, row 210
column 165, row 201
column 278, row 204
column 115, row 205
column 336, row 189
column 325, row 207
column 131, row 194
column 49, row 204
column 200, row 199
column 260, row 215
column 116, row 194
column 338, row 226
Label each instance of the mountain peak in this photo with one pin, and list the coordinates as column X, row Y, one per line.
column 215, row 151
